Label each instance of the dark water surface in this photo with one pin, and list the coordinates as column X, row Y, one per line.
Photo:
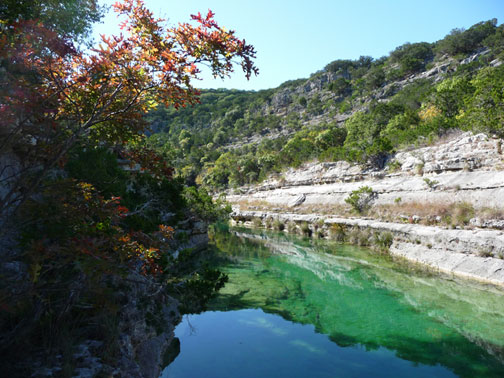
column 308, row 308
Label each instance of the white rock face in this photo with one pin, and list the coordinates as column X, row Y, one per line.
column 467, row 152
column 467, row 168
column 472, row 254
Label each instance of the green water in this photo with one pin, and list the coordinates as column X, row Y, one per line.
column 305, row 308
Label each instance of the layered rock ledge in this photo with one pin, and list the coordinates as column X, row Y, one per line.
column 463, row 170
column 476, row 254
column 466, row 168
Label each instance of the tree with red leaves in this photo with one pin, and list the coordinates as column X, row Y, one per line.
column 78, row 244
column 53, row 96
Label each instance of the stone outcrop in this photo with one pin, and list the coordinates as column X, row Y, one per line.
column 143, row 345
column 475, row 254
column 465, row 168
column 146, row 321
column 285, row 99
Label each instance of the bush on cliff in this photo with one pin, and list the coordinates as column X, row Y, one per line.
column 361, row 199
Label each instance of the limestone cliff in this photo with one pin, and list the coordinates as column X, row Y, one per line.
column 442, row 203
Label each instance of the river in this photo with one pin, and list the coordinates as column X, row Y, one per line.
column 297, row 307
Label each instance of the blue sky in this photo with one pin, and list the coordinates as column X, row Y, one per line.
column 298, row 37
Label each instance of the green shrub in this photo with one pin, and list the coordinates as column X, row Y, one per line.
column 484, row 110
column 331, row 137
column 412, row 57
column 340, row 86
column 305, row 229
column 382, row 241
column 461, row 41
column 337, row 232
column 361, row 199
column 431, row 183
column 201, row 202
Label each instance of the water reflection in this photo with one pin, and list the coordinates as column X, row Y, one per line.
column 361, row 301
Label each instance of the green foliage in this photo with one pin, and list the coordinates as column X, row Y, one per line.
column 99, row 167
column 450, row 95
column 73, row 18
column 315, row 105
column 148, row 197
column 484, row 110
column 364, row 133
column 361, row 199
column 461, row 41
column 297, row 150
column 77, row 247
column 347, row 153
column 80, row 242
column 361, row 129
column 382, row 241
column 204, row 206
column 375, row 78
column 399, row 126
column 364, row 128
column 198, row 138
column 412, row 96
column 340, row 86
column 431, row 183
column 340, row 66
column 331, row 137
column 495, row 41
column 345, row 107
column 412, row 57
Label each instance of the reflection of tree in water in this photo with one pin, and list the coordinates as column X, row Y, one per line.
column 370, row 304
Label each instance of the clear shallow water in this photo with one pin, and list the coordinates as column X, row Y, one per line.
column 302, row 308
column 252, row 343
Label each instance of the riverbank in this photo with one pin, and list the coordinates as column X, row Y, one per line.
column 139, row 339
column 438, row 205
column 356, row 299
column 475, row 254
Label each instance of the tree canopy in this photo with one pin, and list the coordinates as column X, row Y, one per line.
column 54, row 95
column 71, row 18
column 69, row 117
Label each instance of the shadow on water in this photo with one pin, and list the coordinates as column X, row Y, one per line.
column 361, row 299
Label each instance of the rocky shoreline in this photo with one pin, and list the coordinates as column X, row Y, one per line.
column 475, row 254
column 146, row 341
column 417, row 200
